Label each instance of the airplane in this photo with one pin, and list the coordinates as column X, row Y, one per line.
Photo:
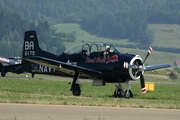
column 14, row 65
column 10, row 65
column 90, row 61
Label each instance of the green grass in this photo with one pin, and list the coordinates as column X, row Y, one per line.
column 83, row 35
column 53, row 90
column 166, row 35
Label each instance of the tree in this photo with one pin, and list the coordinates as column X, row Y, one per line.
column 147, row 37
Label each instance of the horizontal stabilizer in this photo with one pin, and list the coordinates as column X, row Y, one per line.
column 62, row 66
column 157, row 66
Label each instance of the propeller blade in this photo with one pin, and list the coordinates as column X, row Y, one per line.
column 143, row 88
column 149, row 52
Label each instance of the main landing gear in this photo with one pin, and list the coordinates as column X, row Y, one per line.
column 75, row 87
column 3, row 73
column 120, row 92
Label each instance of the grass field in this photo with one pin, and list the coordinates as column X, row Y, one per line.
column 165, row 36
column 83, row 35
column 54, row 90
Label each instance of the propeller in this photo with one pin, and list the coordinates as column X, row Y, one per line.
column 143, row 88
column 136, row 68
column 142, row 81
column 149, row 52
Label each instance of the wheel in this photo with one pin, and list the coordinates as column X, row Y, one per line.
column 3, row 74
column 76, row 93
column 76, row 90
column 128, row 94
column 118, row 93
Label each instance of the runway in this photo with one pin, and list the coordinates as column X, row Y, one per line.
column 10, row 111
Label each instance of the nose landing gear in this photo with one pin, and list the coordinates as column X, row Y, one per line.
column 120, row 92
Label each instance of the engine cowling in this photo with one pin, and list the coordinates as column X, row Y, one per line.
column 136, row 67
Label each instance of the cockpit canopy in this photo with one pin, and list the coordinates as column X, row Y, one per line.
column 90, row 48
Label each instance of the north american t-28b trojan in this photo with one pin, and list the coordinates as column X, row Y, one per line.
column 97, row 61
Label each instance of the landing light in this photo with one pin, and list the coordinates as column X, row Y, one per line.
column 60, row 66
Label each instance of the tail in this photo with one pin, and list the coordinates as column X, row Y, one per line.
column 31, row 48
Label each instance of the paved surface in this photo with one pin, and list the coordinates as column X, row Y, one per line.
column 66, row 112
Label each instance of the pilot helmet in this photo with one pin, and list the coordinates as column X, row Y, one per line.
column 107, row 47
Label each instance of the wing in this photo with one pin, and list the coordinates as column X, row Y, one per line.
column 64, row 67
column 15, row 68
column 157, row 66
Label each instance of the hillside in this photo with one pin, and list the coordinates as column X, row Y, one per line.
column 166, row 35
column 59, row 11
column 83, row 36
column 127, row 23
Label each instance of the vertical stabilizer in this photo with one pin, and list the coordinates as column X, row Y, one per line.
column 31, row 46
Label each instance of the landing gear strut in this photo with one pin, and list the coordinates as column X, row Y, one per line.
column 75, row 87
column 120, row 92
column 3, row 73
column 33, row 75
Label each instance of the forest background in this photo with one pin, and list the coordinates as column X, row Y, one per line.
column 116, row 20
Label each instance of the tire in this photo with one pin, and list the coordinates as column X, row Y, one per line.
column 118, row 93
column 76, row 93
column 128, row 95
column 76, row 90
column 3, row 74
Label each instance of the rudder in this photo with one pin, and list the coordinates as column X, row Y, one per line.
column 31, row 48
column 31, row 45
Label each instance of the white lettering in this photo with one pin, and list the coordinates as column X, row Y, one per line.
column 40, row 68
column 29, row 48
column 29, row 53
column 29, row 45
column 45, row 69
column 26, row 45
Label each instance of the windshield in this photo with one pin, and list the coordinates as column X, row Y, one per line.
column 95, row 47
column 77, row 49
column 114, row 49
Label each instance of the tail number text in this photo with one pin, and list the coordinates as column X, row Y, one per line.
column 29, row 48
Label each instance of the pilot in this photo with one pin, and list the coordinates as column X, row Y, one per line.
column 85, row 53
column 107, row 50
